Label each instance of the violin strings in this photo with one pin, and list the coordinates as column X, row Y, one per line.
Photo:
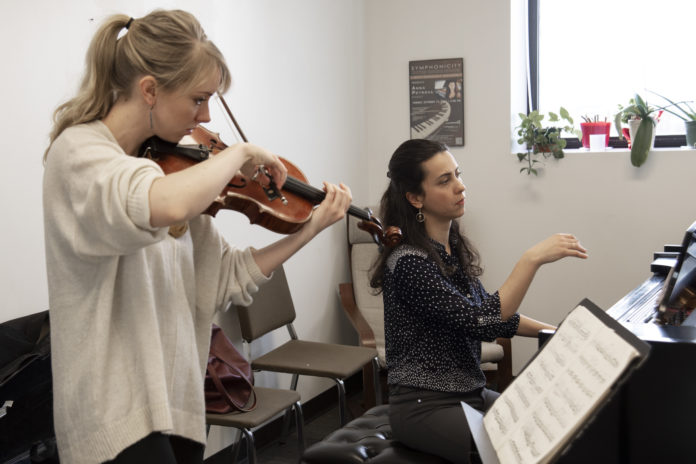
column 313, row 193
column 303, row 189
column 291, row 184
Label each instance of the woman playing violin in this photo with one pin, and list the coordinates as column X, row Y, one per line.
column 131, row 305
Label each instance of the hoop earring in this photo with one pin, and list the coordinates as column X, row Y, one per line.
column 420, row 217
column 151, row 125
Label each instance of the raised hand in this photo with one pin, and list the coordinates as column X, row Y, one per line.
column 554, row 248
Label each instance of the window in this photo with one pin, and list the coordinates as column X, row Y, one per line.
column 593, row 55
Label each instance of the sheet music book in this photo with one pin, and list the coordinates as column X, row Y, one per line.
column 559, row 391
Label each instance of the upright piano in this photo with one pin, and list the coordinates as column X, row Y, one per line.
column 651, row 418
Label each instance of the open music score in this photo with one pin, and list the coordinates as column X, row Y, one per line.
column 559, row 390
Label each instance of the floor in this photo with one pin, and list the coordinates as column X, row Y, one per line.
column 315, row 430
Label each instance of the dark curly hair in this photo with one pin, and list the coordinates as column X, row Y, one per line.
column 406, row 175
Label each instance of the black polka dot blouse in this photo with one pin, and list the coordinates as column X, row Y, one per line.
column 434, row 324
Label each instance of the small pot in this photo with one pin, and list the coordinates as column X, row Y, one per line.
column 590, row 128
column 690, row 133
column 633, row 127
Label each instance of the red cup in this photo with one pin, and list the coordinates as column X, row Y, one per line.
column 594, row 128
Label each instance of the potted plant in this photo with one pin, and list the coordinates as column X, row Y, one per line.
column 642, row 119
column 591, row 126
column 687, row 114
column 543, row 140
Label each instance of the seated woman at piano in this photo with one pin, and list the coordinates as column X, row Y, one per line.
column 436, row 311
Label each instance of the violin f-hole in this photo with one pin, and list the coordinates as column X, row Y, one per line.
column 242, row 184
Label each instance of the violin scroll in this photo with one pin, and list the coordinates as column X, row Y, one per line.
column 392, row 236
column 389, row 237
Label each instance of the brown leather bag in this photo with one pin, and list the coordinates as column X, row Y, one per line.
column 229, row 381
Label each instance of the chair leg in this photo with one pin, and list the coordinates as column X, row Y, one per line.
column 251, row 446
column 236, row 448
column 341, row 401
column 299, row 424
column 286, row 418
column 285, row 431
column 293, row 382
column 377, row 380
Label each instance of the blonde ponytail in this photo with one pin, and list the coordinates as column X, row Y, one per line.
column 169, row 45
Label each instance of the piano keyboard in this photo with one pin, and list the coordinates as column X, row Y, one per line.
column 425, row 128
column 640, row 305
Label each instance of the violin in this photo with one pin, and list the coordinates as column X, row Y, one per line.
column 283, row 210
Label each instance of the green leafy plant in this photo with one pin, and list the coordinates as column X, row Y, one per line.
column 543, row 140
column 638, row 109
column 686, row 112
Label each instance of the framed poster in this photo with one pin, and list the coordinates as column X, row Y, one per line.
column 437, row 100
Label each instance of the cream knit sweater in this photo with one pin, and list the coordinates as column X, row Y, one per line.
column 130, row 306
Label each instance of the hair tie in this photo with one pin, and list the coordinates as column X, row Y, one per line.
column 130, row 21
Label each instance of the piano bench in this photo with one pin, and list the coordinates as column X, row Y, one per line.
column 365, row 439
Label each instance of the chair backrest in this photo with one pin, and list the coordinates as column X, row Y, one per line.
column 363, row 254
column 271, row 309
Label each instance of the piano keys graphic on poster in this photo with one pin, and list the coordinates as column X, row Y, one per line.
column 437, row 103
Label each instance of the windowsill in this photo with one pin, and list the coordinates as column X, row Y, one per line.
column 625, row 150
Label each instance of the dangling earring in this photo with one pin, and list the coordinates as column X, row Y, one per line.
column 151, row 125
column 419, row 216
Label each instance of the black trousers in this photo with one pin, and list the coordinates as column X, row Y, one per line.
column 161, row 449
column 434, row 422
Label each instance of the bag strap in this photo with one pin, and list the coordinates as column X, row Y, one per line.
column 230, row 356
column 226, row 395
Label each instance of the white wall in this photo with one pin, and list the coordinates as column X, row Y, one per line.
column 325, row 84
column 298, row 90
column 621, row 213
